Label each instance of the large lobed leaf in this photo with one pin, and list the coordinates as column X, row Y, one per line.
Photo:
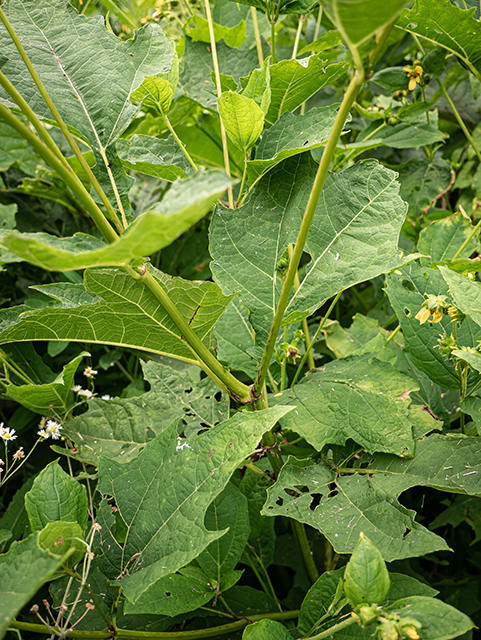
column 162, row 497
column 113, row 308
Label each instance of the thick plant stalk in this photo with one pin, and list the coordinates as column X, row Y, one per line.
column 215, row 62
column 298, row 37
column 305, row 326
column 65, row 173
column 301, row 536
column 61, row 124
column 349, row 97
column 257, row 33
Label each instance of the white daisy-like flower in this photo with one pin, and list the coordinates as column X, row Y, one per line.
column 43, row 434
column 53, row 429
column 89, row 372
column 76, row 388
column 106, row 397
column 85, row 393
column 42, row 422
column 6, row 433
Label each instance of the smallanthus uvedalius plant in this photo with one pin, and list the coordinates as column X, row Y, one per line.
column 189, row 192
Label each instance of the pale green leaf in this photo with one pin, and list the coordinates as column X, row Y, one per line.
column 19, row 585
column 235, row 336
column 366, row 579
column 14, row 151
column 56, row 496
column 258, row 86
column 354, row 237
column 89, row 72
column 42, row 398
column 359, row 398
column 358, row 20
column 155, row 93
column 295, row 81
column 466, row 294
column 448, row 26
column 163, row 494
column 439, row 621
column 64, row 539
column 363, row 336
column 407, row 292
column 7, row 216
column 442, row 239
column 399, row 136
column 115, row 309
column 197, row 28
column 329, row 40
column 289, row 136
column 266, row 630
column 154, row 156
column 367, row 501
column 228, row 511
column 120, row 427
column 472, row 357
column 186, row 202
column 422, row 182
column 242, row 117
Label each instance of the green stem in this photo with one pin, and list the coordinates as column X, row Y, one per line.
column 179, row 142
column 65, row 173
column 120, row 13
column 239, row 391
column 318, row 331
column 215, row 62
column 327, row 156
column 328, row 633
column 257, row 574
column 318, row 23
column 464, row 129
column 467, row 241
column 298, row 37
column 58, row 118
column 303, row 542
column 243, row 181
column 257, row 34
column 356, row 152
column 305, row 326
column 14, row 368
column 161, row 635
column 394, row 334
column 273, row 42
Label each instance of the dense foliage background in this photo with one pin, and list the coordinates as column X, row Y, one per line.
column 127, row 453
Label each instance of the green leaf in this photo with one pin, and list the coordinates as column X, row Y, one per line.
column 366, row 579
column 295, row 81
column 462, row 509
column 65, row 539
column 7, row 216
column 266, row 630
column 228, row 511
column 290, row 136
column 439, row 621
column 163, row 494
column 422, row 182
column 89, row 72
column 445, row 25
column 186, row 202
column 43, row 398
column 120, row 427
column 242, row 117
column 195, row 78
column 197, row 28
column 14, row 151
column 329, row 40
column 358, row 21
column 56, row 496
column 359, row 398
column 235, row 337
column 15, row 518
column 466, row 294
column 258, row 86
column 156, row 92
column 154, row 157
column 399, row 136
column 360, row 215
column 442, row 239
column 407, row 293
column 19, row 585
column 115, row 309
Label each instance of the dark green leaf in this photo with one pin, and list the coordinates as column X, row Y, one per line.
column 439, row 621
column 154, row 156
column 366, row 579
column 266, row 630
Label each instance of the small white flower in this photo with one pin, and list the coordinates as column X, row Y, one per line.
column 89, row 372
column 106, row 397
column 43, row 434
column 6, row 433
column 76, row 388
column 53, row 429
column 85, row 393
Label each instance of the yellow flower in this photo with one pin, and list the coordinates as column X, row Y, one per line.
column 423, row 315
column 411, row 632
column 414, row 74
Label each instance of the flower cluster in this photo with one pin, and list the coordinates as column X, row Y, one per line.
column 49, row 429
column 6, row 433
column 82, row 393
column 414, row 74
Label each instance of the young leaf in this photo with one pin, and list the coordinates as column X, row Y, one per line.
column 89, row 72
column 197, row 28
column 163, row 494
column 266, row 630
column 258, row 86
column 115, row 309
column 448, row 26
column 64, row 539
column 186, row 202
column 156, row 92
column 442, row 239
column 19, row 585
column 359, row 398
column 366, row 579
column 242, row 117
column 154, row 157
column 56, row 496
column 47, row 397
